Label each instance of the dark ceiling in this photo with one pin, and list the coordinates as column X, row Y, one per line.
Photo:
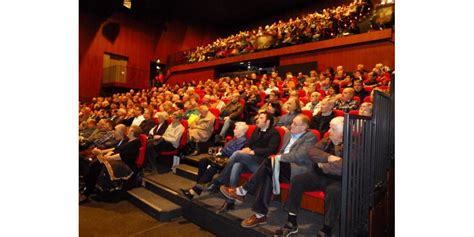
column 218, row 13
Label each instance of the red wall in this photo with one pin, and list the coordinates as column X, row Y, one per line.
column 135, row 41
column 140, row 42
column 368, row 54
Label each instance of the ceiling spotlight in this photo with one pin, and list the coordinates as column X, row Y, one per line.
column 127, row 4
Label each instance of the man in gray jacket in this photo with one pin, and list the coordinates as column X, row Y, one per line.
column 294, row 154
column 325, row 175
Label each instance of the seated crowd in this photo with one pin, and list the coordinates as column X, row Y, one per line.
column 298, row 110
column 326, row 24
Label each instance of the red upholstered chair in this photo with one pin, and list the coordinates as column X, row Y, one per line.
column 250, row 130
column 281, row 131
column 368, row 88
column 338, row 113
column 307, row 113
column 323, row 93
column 304, row 100
column 316, row 133
column 216, row 114
column 141, row 154
column 368, row 99
column 226, row 100
column 182, row 142
column 357, row 98
column 283, row 112
column 262, row 98
column 283, row 100
column 326, row 134
column 301, row 93
column 354, row 112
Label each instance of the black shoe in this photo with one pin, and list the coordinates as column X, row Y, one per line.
column 225, row 207
column 287, row 230
column 324, row 232
column 83, row 198
column 187, row 194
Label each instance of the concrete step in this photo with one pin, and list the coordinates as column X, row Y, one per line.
column 187, row 171
column 193, row 160
column 153, row 204
column 168, row 185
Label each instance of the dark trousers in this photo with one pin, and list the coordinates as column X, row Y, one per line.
column 90, row 178
column 260, row 184
column 152, row 152
column 205, row 174
column 312, row 181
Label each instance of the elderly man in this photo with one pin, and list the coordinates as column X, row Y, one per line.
column 366, row 109
column 263, row 142
column 230, row 114
column 148, row 123
column 321, row 120
column 346, row 103
column 295, row 157
column 138, row 119
column 325, row 175
column 207, row 170
column 293, row 106
column 314, row 104
column 202, row 129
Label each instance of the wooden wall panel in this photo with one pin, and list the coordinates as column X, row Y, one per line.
column 135, row 41
column 196, row 75
column 140, row 42
column 347, row 56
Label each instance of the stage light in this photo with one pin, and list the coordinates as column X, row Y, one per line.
column 127, row 4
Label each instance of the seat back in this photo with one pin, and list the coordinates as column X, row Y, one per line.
column 281, row 131
column 326, row 134
column 356, row 98
column 354, row 112
column 141, row 153
column 184, row 137
column 308, row 113
column 262, row 99
column 216, row 114
column 316, row 133
column 250, row 130
column 338, row 113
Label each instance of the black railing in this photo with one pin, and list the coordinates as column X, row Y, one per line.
column 368, row 150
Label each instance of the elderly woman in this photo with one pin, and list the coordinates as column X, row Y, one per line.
column 169, row 141
column 207, row 169
column 113, row 166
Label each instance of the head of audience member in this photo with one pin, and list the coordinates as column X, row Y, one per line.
column 274, row 96
column 358, row 86
column 177, row 116
column 336, row 128
column 313, row 73
column 264, row 120
column 147, row 114
column 203, row 110
column 109, row 125
column 315, row 97
column 138, row 111
column 365, row 109
column 91, row 123
column 333, row 90
column 133, row 132
column 327, row 105
column 347, row 94
column 360, row 67
column 235, row 97
column 206, row 99
column 160, row 117
column 300, row 124
column 240, row 129
column 119, row 132
column 293, row 105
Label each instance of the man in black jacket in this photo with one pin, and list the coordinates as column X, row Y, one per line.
column 263, row 143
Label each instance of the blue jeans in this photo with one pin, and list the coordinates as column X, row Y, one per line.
column 231, row 172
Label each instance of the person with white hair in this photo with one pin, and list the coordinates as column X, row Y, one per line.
column 201, row 130
column 326, row 174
